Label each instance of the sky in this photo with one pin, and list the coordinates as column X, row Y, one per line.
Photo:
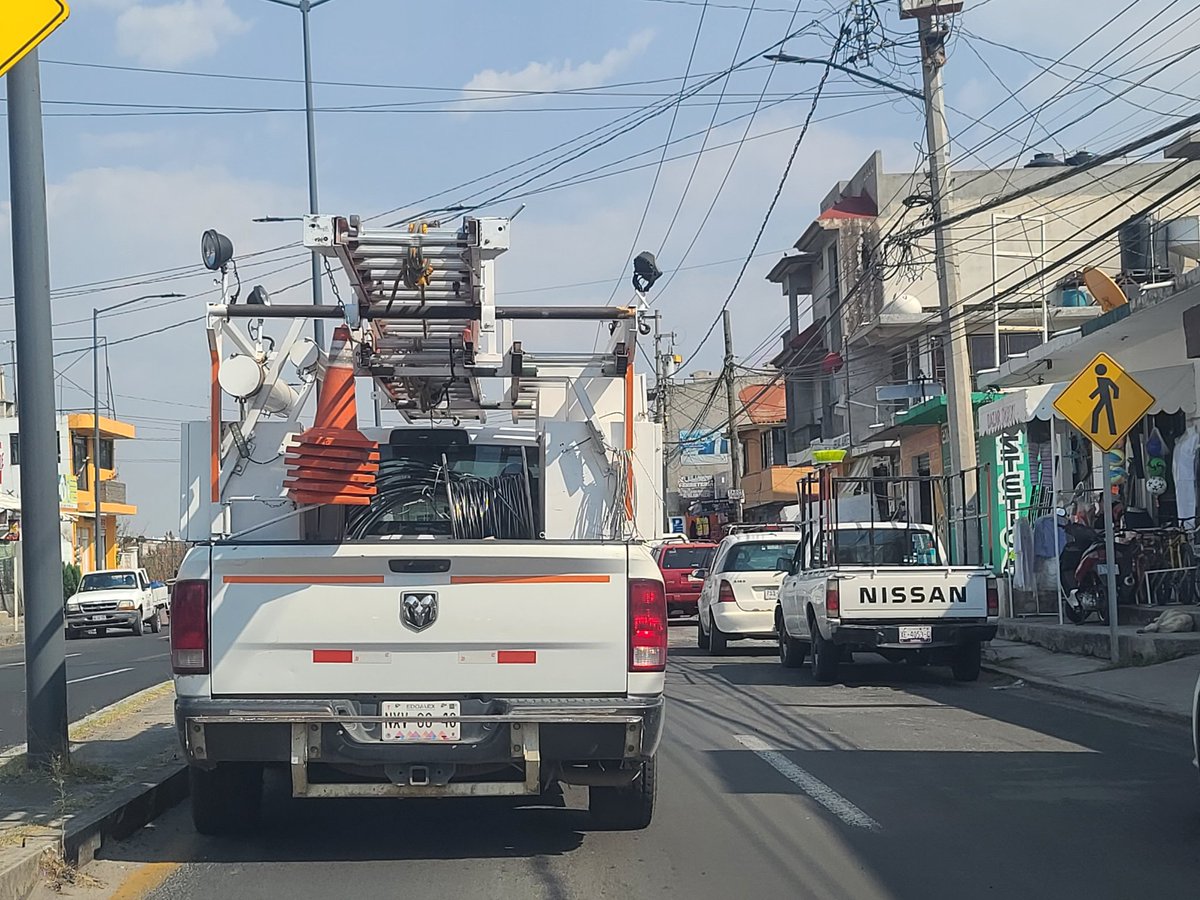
column 167, row 117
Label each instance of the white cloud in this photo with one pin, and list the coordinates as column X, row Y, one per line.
column 175, row 33
column 563, row 75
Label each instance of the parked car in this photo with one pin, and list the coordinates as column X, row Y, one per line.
column 116, row 598
column 741, row 590
column 678, row 564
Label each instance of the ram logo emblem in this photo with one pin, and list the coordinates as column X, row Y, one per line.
column 419, row 610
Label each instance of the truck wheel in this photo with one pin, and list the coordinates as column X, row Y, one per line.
column 718, row 641
column 156, row 622
column 226, row 799
column 139, row 627
column 824, row 656
column 701, row 634
column 791, row 651
column 626, row 808
column 966, row 661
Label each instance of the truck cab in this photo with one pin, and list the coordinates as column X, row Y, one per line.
column 115, row 598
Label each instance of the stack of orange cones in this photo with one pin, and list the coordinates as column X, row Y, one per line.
column 333, row 462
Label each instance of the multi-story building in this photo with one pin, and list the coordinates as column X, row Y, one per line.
column 76, row 494
column 862, row 292
column 768, row 482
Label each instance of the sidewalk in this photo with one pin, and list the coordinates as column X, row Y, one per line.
column 123, row 771
column 8, row 634
column 1165, row 689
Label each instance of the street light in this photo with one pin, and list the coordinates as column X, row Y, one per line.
column 99, row 536
column 304, row 7
column 788, row 58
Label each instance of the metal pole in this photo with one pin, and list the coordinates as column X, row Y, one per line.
column 311, row 126
column 1054, row 497
column 98, row 539
column 12, row 347
column 960, row 416
column 1114, row 643
column 735, row 448
column 41, row 548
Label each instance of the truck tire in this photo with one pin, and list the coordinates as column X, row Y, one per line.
column 791, row 651
column 966, row 662
column 156, row 622
column 824, row 656
column 226, row 799
column 626, row 808
column 701, row 634
column 139, row 626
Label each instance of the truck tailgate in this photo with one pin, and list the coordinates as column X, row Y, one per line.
column 484, row 618
column 912, row 593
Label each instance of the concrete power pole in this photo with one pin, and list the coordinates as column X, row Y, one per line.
column 960, row 413
column 41, row 546
column 735, row 447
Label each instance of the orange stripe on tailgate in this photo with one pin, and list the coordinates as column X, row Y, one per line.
column 303, row 579
column 530, row 579
column 333, row 656
column 516, row 657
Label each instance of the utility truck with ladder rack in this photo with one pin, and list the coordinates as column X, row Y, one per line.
column 461, row 604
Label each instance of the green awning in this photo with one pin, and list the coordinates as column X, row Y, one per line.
column 933, row 410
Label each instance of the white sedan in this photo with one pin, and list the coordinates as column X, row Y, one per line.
column 742, row 588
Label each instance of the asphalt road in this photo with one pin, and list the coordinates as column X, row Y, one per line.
column 100, row 671
column 898, row 784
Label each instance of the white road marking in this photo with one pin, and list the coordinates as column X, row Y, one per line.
column 22, row 662
column 810, row 784
column 100, row 675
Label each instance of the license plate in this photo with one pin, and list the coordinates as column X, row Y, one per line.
column 772, row 594
column 1102, row 569
column 95, row 618
column 916, row 634
column 421, row 722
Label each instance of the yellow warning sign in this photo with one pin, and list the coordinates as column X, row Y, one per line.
column 1104, row 402
column 24, row 24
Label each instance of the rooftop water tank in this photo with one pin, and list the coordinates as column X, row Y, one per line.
column 1044, row 161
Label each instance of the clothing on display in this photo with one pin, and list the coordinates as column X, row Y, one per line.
column 1184, row 470
column 1025, row 562
column 1043, row 536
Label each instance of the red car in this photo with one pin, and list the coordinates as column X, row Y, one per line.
column 677, row 562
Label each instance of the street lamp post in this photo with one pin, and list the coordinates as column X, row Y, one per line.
column 305, row 7
column 98, row 540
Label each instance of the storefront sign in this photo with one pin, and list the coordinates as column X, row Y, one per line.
column 1012, row 490
column 1003, row 415
column 697, row 487
column 704, row 447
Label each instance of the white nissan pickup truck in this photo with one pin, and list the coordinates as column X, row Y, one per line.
column 116, row 598
column 882, row 587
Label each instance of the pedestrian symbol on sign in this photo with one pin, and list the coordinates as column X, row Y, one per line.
column 1105, row 393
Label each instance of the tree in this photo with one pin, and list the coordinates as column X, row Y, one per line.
column 72, row 575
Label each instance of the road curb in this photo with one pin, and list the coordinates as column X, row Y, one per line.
column 11, row 639
column 1077, row 692
column 127, row 812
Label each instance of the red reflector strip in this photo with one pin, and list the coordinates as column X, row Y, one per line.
column 303, row 579
column 333, row 656
column 530, row 579
column 516, row 657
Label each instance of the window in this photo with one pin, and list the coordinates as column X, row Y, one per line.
column 107, row 581
column 14, row 449
column 764, row 451
column 885, row 547
column 745, row 460
column 106, row 453
column 81, row 461
column 758, row 556
column 835, row 287
column 779, row 445
column 687, row 558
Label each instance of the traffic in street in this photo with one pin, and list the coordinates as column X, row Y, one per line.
column 896, row 783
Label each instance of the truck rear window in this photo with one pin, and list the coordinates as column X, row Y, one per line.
column 687, row 557
column 886, row 547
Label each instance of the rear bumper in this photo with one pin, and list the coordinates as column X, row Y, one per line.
column 84, row 621
column 346, row 733
column 683, row 601
column 887, row 637
column 747, row 623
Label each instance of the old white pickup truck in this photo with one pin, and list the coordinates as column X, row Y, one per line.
column 116, row 598
column 882, row 587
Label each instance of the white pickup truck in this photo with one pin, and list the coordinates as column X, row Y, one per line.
column 116, row 598
column 882, row 587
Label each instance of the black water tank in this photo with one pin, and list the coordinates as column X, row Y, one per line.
column 1137, row 246
column 1080, row 157
column 1043, row 161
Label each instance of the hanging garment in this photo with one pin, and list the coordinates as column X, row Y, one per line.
column 1043, row 537
column 1184, row 469
column 1025, row 562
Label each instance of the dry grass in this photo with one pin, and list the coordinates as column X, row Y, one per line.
column 88, row 727
column 60, row 874
column 72, row 772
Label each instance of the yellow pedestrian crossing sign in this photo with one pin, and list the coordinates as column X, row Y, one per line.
column 1104, row 402
column 26, row 23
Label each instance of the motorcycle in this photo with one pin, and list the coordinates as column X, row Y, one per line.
column 1089, row 593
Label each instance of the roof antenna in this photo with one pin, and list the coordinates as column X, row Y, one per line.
column 517, row 213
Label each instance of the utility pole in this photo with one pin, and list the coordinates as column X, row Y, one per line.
column 959, row 411
column 735, row 447
column 41, row 546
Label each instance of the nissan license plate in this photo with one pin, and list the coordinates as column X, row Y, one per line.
column 772, row 594
column 422, row 722
column 916, row 634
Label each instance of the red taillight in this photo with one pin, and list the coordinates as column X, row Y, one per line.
column 189, row 628
column 647, row 626
column 993, row 598
column 726, row 593
column 833, row 600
